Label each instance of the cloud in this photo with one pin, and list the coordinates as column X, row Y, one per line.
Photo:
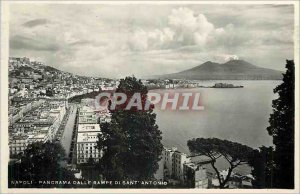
column 157, row 39
column 34, row 23
column 118, row 40
column 184, row 28
column 190, row 29
column 230, row 57
column 21, row 42
column 80, row 42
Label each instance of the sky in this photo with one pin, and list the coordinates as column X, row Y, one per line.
column 116, row 40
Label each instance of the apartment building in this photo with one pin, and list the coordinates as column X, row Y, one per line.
column 87, row 115
column 87, row 137
column 176, row 166
column 38, row 125
column 18, row 144
column 196, row 176
column 179, row 159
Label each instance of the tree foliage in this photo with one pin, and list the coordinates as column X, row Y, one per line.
column 78, row 98
column 282, row 129
column 234, row 153
column 40, row 162
column 131, row 141
column 263, row 167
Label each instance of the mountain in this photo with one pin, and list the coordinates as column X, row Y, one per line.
column 231, row 70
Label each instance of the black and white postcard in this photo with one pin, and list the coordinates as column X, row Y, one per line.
column 149, row 96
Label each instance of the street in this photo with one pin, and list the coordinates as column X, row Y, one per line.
column 67, row 134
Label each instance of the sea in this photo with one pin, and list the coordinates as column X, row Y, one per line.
column 235, row 114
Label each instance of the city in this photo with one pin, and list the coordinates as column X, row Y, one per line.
column 41, row 110
column 184, row 96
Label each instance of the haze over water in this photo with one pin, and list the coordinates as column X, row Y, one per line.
column 235, row 114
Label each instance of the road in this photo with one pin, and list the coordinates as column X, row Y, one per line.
column 67, row 135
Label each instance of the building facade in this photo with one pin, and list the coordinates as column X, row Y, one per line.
column 196, row 176
column 87, row 136
column 179, row 168
column 40, row 124
column 87, row 115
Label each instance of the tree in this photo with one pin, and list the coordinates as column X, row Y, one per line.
column 131, row 142
column 91, row 162
column 263, row 167
column 282, row 129
column 40, row 162
column 234, row 153
column 90, row 171
column 49, row 92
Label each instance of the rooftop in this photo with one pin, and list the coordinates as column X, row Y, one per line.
column 90, row 137
column 89, row 128
column 40, row 136
column 86, row 109
column 19, row 137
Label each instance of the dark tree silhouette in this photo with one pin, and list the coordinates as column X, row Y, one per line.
column 263, row 167
column 234, row 153
column 40, row 162
column 282, row 129
column 131, row 141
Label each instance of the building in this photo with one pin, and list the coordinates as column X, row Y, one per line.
column 235, row 181
column 196, row 176
column 168, row 153
column 18, row 144
column 39, row 137
column 87, row 115
column 179, row 159
column 87, row 137
column 165, row 165
column 37, row 122
column 89, row 120
column 177, row 167
column 247, row 181
column 171, row 165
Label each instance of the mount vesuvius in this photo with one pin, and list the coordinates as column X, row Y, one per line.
column 231, row 70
